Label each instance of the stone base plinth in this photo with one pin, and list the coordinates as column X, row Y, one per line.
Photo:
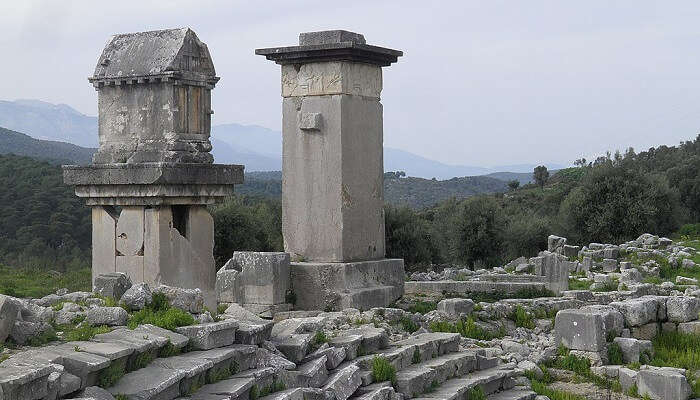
column 335, row 286
column 170, row 245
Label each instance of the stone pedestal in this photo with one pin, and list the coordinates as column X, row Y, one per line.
column 332, row 167
column 150, row 221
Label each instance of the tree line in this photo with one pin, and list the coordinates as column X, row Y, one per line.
column 611, row 199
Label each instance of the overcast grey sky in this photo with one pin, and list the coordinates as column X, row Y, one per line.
column 481, row 82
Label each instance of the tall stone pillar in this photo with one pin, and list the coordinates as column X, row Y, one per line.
column 332, row 171
column 152, row 176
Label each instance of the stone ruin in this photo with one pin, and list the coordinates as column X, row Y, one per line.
column 332, row 183
column 335, row 306
column 152, row 177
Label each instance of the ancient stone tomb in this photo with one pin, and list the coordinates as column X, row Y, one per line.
column 152, row 176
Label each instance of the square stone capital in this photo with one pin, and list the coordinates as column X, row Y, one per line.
column 326, row 78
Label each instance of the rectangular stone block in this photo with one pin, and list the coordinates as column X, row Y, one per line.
column 361, row 285
column 103, row 242
column 132, row 266
column 580, row 330
column 263, row 277
column 129, row 231
column 663, row 383
column 332, row 205
column 328, row 78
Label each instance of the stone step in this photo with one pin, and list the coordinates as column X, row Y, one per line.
column 210, row 335
column 422, row 377
column 490, row 380
column 168, row 378
column 516, row 393
column 367, row 297
column 296, row 394
column 416, row 349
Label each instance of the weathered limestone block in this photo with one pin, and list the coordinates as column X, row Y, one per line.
column 190, row 300
column 556, row 268
column 112, row 316
column 637, row 312
column 645, row 332
column 689, row 327
column 138, row 296
column 609, row 265
column 455, row 307
column 112, row 285
column 614, row 321
column 663, row 383
column 8, row 314
column 682, row 308
column 571, row 251
column 633, row 348
column 211, row 335
column 104, row 226
column 581, row 330
column 329, row 78
column 555, row 244
column 226, row 281
column 263, row 278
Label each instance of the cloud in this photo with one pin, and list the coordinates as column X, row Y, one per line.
column 487, row 83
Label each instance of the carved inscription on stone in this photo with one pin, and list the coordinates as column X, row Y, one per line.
column 317, row 79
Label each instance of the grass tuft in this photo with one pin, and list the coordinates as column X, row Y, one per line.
column 382, row 370
column 614, row 354
column 467, row 328
column 522, row 318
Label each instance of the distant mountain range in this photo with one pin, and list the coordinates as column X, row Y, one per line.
column 12, row 142
column 256, row 147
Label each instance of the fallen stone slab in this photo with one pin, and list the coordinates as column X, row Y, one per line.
column 663, row 383
column 232, row 388
column 137, row 296
column 177, row 340
column 334, row 356
column 61, row 384
column 24, row 382
column 110, row 316
column 455, row 307
column 344, row 382
column 95, row 393
column 310, row 374
column 295, row 347
column 151, row 382
column 210, row 335
column 190, row 300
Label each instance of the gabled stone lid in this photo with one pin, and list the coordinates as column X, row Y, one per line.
column 336, row 45
column 143, row 56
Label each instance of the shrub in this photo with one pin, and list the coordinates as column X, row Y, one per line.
column 422, row 307
column 522, row 318
column 382, row 370
column 170, row 319
column 408, row 325
column 476, row 393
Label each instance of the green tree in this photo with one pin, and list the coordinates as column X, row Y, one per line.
column 613, row 204
column 514, row 184
column 408, row 236
column 541, row 175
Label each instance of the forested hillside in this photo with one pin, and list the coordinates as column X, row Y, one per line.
column 42, row 223
column 16, row 143
column 612, row 199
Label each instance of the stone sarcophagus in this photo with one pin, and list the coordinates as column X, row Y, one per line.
column 152, row 177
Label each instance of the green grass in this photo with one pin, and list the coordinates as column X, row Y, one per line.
column 110, row 375
column 467, row 328
column 422, row 307
column 47, row 336
column 522, row 318
column 416, row 356
column 476, row 393
column 676, row 349
column 35, row 284
column 614, row 354
column 72, row 333
column 607, row 287
column 408, row 325
column 382, row 370
column 577, row 284
column 161, row 314
column 542, row 389
column 581, row 366
column 319, row 339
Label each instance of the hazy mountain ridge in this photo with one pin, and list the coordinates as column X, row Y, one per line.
column 256, row 147
column 16, row 143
